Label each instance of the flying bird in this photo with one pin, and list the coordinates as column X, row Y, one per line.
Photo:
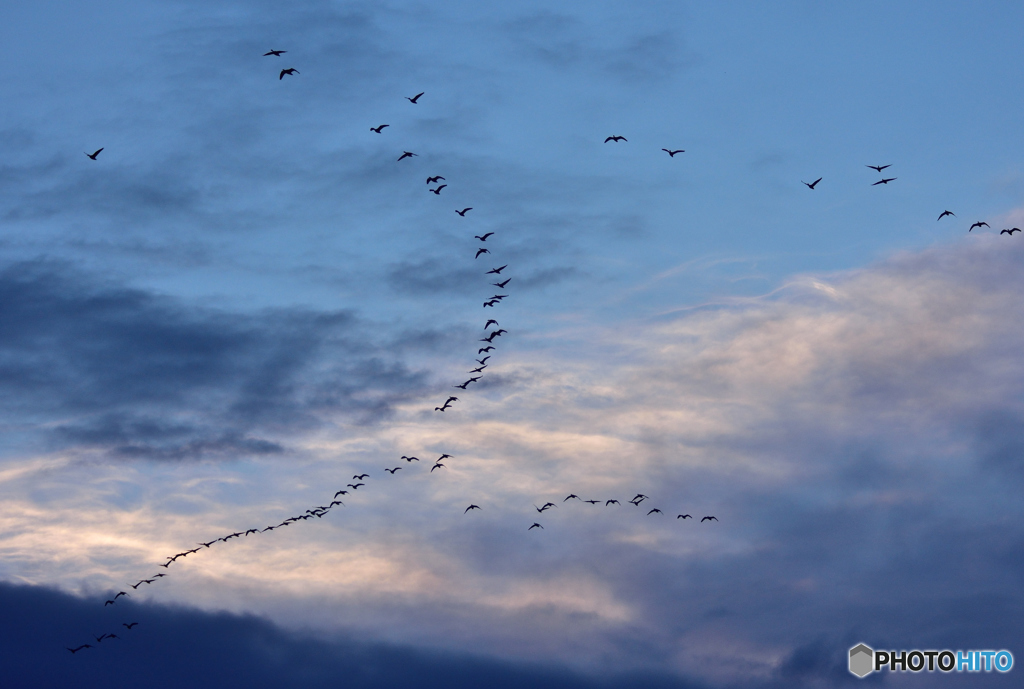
column 436, row 466
column 472, row 507
column 360, row 477
column 464, row 211
column 275, row 53
column 129, row 626
column 978, row 224
column 478, row 369
column 483, row 238
column 481, row 251
column 414, row 98
column 593, row 502
column 76, row 650
column 407, row 154
column 483, row 350
column 488, row 324
column 378, row 128
column 571, row 496
column 110, row 602
column 437, row 192
column 884, row 181
column 610, row 502
column 535, row 526
column 94, row 154
column 878, row 168
column 672, row 154
column 416, row 459
column 484, row 360
column 708, row 518
column 355, row 486
column 290, row 71
column 491, row 303
column 1010, row 231
column 655, row 511
column 497, row 271
column 615, row 139
column 501, row 285
column 444, row 456
column 340, row 492
column 684, row 516
column 813, row 184
column 541, row 509
column 119, row 594
column 392, row 471
column 943, row 214
column 435, row 180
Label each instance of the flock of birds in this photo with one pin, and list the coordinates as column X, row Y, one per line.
column 482, row 361
column 886, row 180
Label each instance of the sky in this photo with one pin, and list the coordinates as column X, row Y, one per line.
column 246, row 299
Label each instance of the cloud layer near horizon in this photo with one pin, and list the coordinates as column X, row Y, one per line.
column 856, row 434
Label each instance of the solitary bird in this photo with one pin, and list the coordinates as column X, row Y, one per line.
column 709, row 518
column 414, row 98
column 501, row 285
column 464, row 211
column 943, row 214
column 481, row 251
column 672, row 154
column 360, row 477
column 377, row 129
column 94, row 154
column 472, row 507
column 535, row 526
column 483, row 238
column 437, row 192
column 655, row 511
column 878, row 168
column 1010, row 231
column 275, row 53
column 496, row 271
column 407, row 154
column 684, row 516
column 978, row 224
column 129, row 626
column 392, row 471
column 615, row 139
column 813, row 184
column 884, row 181
column 290, row 71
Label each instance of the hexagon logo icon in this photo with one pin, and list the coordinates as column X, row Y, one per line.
column 862, row 660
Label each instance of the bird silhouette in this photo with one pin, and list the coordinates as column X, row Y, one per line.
column 615, row 139
column 290, row 71
column 684, row 516
column 593, row 502
column 535, row 526
column 472, row 507
column 496, row 271
column 356, row 486
column 488, row 324
column 340, row 492
column 541, row 509
column 464, row 211
column 709, row 518
column 379, row 128
column 978, row 224
column 406, row 154
column 811, row 185
column 438, row 465
column 884, row 181
column 435, row 180
column 360, row 477
column 501, row 285
column 483, row 238
column 76, row 650
column 481, row 251
column 484, row 350
column 93, row 154
column 490, row 303
column 437, row 192
column 444, row 456
column 483, row 361
column 416, row 459
column 1010, row 231
column 276, row 53
column 655, row 511
column 943, row 214
column 878, row 168
column 414, row 98
column 479, row 369
column 672, row 154
column 128, row 625
column 392, row 471
column 570, row 496
column 610, row 502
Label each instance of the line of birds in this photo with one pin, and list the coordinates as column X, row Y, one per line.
column 320, row 511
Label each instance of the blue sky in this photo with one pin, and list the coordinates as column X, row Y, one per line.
column 246, row 299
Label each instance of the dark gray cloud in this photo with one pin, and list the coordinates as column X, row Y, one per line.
column 143, row 375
